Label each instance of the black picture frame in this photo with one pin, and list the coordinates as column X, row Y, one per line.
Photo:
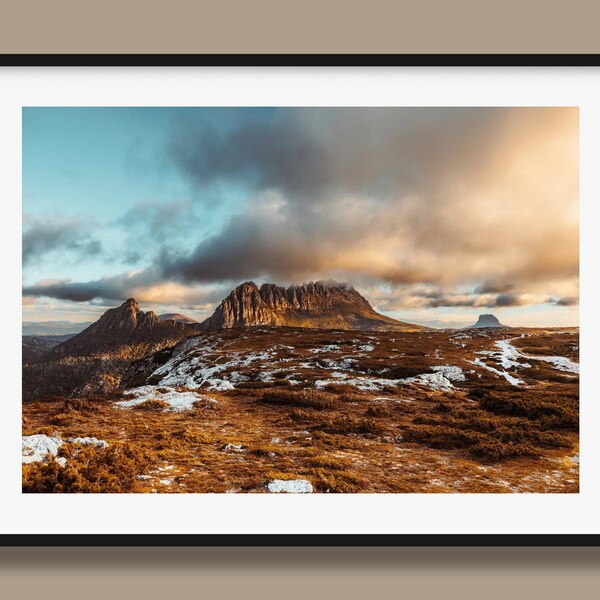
column 295, row 61
column 299, row 60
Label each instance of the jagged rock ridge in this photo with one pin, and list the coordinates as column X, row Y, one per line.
column 486, row 321
column 324, row 304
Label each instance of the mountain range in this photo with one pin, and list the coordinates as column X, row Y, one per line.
column 322, row 305
column 94, row 360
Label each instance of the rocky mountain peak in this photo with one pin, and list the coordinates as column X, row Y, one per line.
column 321, row 304
column 128, row 316
column 124, row 325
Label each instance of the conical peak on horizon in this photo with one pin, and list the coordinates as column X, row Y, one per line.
column 487, row 320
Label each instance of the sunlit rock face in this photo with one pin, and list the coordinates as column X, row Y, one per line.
column 324, row 304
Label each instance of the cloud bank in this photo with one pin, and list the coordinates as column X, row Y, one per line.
column 449, row 207
column 41, row 238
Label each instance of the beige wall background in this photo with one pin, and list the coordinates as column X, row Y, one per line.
column 316, row 26
column 285, row 26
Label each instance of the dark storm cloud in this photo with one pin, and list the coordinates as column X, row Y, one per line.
column 440, row 196
column 489, row 287
column 565, row 301
column 440, row 300
column 246, row 248
column 308, row 154
column 118, row 287
column 43, row 237
column 505, row 300
column 146, row 286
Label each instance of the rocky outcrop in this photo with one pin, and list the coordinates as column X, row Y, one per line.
column 324, row 304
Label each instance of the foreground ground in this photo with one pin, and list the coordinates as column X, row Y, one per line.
column 435, row 411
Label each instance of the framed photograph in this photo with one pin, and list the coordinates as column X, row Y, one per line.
column 299, row 300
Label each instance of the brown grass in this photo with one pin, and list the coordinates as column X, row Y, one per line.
column 482, row 437
column 312, row 399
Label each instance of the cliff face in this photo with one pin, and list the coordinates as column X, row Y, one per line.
column 327, row 305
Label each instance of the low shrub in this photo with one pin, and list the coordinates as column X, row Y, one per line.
column 340, row 388
column 522, row 405
column 485, row 435
column 494, row 450
column 153, row 405
column 88, row 470
column 350, row 425
column 352, row 397
column 313, row 399
column 255, row 385
column 206, row 404
column 377, row 411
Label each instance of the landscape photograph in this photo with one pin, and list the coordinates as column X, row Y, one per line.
column 300, row 300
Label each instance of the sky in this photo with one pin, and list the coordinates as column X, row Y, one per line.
column 435, row 215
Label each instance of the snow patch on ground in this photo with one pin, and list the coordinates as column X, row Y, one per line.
column 450, row 372
column 292, row 486
column 327, row 348
column 178, row 401
column 509, row 355
column 510, row 378
column 437, row 381
column 233, row 448
column 193, row 372
column 35, row 448
column 560, row 363
column 88, row 441
column 366, row 348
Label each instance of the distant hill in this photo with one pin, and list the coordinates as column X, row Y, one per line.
column 487, row 321
column 179, row 318
column 34, row 347
column 52, row 328
column 322, row 305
